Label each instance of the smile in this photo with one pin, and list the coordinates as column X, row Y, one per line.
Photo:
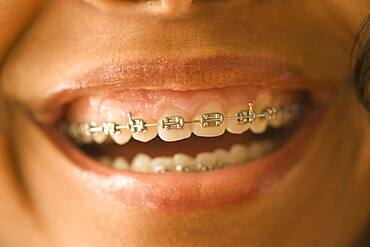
column 176, row 127
column 234, row 141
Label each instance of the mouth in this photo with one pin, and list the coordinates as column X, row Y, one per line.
column 186, row 149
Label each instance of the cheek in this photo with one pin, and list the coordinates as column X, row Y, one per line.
column 16, row 15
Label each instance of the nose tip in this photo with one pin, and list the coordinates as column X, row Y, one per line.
column 176, row 7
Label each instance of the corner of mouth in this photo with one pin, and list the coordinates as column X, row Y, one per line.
column 150, row 89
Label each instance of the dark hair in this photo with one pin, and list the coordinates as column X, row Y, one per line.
column 360, row 65
column 360, row 58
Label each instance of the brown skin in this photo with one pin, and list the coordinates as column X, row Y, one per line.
column 323, row 202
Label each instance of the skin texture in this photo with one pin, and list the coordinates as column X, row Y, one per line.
column 323, row 202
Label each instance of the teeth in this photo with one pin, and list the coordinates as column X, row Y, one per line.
column 163, row 164
column 256, row 150
column 223, row 157
column 175, row 134
column 206, row 161
column 232, row 126
column 120, row 163
column 184, row 162
column 99, row 137
column 239, row 153
column 211, row 131
column 277, row 121
column 263, row 100
column 114, row 115
column 122, row 137
column 259, row 126
column 141, row 163
column 289, row 115
column 209, row 121
column 80, row 130
column 147, row 135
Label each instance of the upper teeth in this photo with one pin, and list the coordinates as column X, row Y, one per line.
column 176, row 127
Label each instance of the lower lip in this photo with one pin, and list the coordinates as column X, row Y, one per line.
column 182, row 192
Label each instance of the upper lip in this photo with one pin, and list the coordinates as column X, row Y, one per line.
column 163, row 73
column 188, row 74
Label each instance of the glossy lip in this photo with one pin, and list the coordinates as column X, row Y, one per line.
column 189, row 74
column 177, row 192
column 162, row 73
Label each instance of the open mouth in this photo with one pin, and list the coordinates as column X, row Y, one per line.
column 200, row 131
column 180, row 147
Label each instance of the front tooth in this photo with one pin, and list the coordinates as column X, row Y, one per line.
column 120, row 163
column 239, row 153
column 149, row 134
column 210, row 107
column 141, row 163
column 163, row 164
column 206, row 161
column 184, row 162
column 263, row 100
column 116, row 116
column 232, row 126
column 171, row 135
column 121, row 137
column 223, row 157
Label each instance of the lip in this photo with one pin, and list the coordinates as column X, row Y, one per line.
column 162, row 73
column 190, row 74
column 177, row 192
column 185, row 192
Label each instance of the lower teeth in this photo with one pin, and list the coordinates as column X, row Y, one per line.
column 202, row 162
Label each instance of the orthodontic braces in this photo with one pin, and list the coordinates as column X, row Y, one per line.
column 175, row 122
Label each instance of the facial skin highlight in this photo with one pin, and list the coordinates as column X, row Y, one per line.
column 46, row 199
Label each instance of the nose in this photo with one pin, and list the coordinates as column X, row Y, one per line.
column 176, row 7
